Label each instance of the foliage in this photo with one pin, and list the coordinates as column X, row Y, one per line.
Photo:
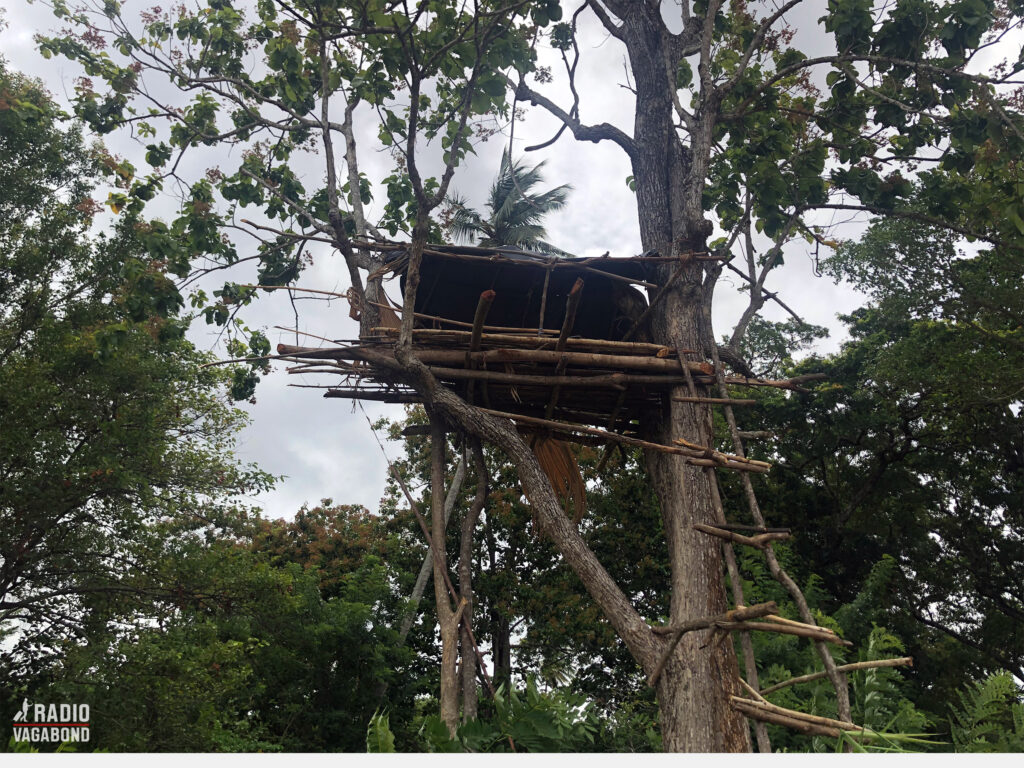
column 433, row 73
column 379, row 737
column 551, row 721
column 514, row 213
column 260, row 662
column 989, row 716
column 903, row 472
column 877, row 695
column 114, row 440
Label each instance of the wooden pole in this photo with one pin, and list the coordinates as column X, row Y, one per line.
column 714, row 400
column 806, row 630
column 572, row 303
column 548, row 356
column 826, row 722
column 905, row 661
column 532, row 342
column 748, row 708
column 483, row 306
column 606, row 380
column 554, row 357
column 747, row 464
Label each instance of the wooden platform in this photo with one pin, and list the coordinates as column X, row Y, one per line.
column 588, row 381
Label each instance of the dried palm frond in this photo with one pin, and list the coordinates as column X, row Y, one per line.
column 559, row 464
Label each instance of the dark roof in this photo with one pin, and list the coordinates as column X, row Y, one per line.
column 453, row 277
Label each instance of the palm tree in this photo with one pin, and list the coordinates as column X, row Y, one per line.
column 514, row 214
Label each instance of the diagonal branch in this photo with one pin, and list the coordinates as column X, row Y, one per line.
column 594, row 133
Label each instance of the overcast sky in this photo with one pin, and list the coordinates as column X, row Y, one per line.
column 324, row 448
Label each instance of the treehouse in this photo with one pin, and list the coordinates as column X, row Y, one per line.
column 559, row 345
column 524, row 334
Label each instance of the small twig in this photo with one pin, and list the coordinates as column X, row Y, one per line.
column 293, row 288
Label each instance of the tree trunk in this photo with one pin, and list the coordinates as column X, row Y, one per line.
column 467, row 648
column 500, row 631
column 501, row 648
column 447, row 619
column 694, row 689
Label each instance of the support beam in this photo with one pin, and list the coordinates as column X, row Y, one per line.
column 905, row 661
column 692, row 456
column 572, row 303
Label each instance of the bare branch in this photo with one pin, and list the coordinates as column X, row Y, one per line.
column 594, row 133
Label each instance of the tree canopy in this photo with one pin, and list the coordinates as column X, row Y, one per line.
column 115, row 442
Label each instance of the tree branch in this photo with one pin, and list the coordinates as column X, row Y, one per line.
column 593, row 133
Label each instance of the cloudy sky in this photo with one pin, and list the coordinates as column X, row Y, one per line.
column 324, row 448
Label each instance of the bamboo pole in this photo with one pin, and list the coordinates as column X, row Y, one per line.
column 572, row 303
column 814, row 633
column 609, row 380
column 576, row 359
column 621, row 347
column 748, row 708
column 792, row 623
column 905, row 661
column 699, row 460
column 553, row 356
column 826, row 722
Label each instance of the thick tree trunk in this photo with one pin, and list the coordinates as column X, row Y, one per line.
column 693, row 691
